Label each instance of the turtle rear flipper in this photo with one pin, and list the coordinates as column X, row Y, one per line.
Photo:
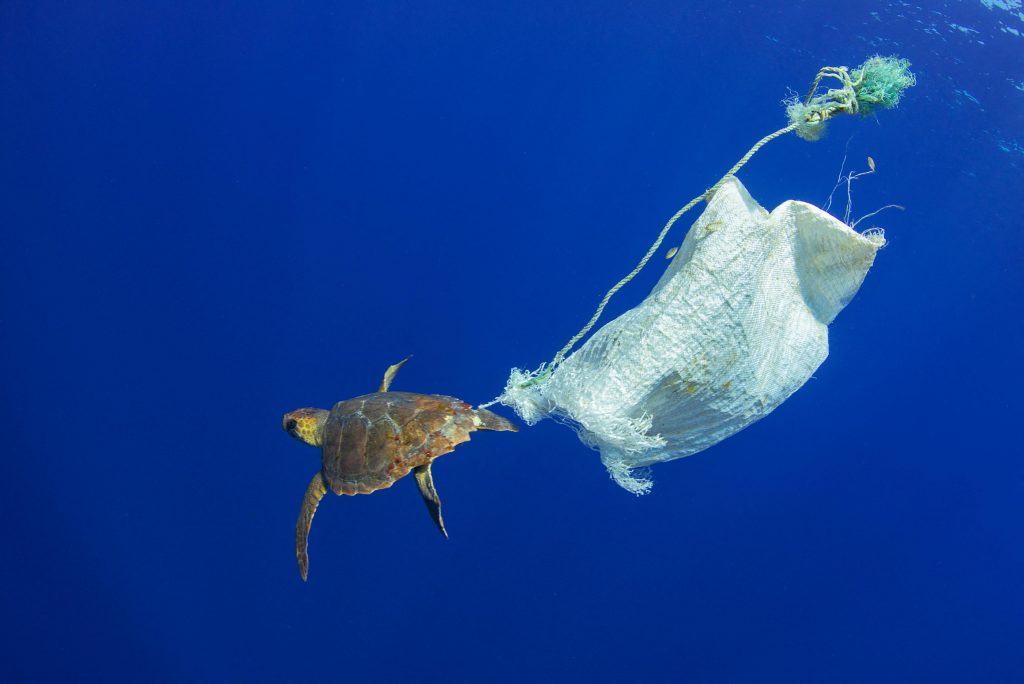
column 316, row 490
column 425, row 481
column 492, row 421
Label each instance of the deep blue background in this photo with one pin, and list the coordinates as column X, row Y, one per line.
column 210, row 216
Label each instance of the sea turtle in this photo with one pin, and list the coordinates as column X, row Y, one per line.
column 370, row 442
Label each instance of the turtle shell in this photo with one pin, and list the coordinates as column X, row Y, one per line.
column 374, row 440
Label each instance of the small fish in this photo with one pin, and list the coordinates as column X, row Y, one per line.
column 671, row 252
column 871, row 164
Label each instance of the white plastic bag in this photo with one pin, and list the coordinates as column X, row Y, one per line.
column 737, row 323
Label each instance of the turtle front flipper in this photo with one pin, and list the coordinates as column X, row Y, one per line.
column 389, row 375
column 425, row 481
column 310, row 501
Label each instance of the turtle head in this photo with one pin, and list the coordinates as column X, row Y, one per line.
column 306, row 425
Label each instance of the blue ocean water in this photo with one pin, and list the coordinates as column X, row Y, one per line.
column 215, row 213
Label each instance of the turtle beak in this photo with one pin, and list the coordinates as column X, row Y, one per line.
column 290, row 425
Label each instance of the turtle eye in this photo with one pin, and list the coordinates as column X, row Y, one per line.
column 291, row 425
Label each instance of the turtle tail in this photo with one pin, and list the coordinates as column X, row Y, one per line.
column 486, row 420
